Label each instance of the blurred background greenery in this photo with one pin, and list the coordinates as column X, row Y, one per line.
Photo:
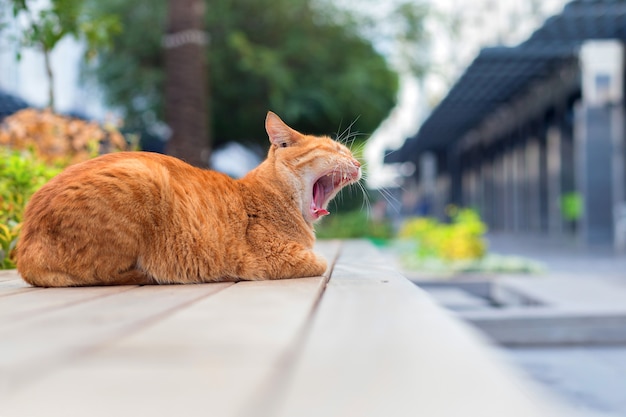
column 306, row 60
column 317, row 63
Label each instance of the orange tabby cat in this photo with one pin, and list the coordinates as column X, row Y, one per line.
column 145, row 218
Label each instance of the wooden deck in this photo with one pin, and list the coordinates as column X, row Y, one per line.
column 361, row 341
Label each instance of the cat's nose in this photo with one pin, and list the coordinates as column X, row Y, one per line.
column 356, row 163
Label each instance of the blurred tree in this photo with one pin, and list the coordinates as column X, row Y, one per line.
column 43, row 28
column 399, row 30
column 303, row 59
column 185, row 82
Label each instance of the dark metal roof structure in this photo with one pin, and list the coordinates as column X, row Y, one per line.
column 498, row 75
column 10, row 104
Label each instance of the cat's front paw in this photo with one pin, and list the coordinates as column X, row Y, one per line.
column 319, row 266
column 309, row 264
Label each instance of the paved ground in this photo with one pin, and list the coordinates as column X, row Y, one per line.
column 564, row 257
column 591, row 378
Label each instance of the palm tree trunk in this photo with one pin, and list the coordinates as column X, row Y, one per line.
column 186, row 93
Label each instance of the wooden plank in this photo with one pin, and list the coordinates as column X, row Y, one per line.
column 30, row 304
column 203, row 360
column 36, row 346
column 209, row 358
column 14, row 285
column 379, row 346
column 8, row 274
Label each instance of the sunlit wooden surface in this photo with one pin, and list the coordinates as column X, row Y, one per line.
column 360, row 341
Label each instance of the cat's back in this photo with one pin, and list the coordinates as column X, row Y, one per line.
column 97, row 192
column 122, row 166
column 108, row 179
column 129, row 183
column 113, row 210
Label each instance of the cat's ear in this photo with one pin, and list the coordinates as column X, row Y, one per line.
column 279, row 133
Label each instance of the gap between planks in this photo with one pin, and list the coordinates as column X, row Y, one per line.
column 264, row 400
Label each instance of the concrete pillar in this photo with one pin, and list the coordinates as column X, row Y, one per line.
column 600, row 139
column 428, row 183
column 487, row 200
column 543, row 182
column 442, row 195
column 507, row 189
column 553, row 179
column 499, row 193
column 533, row 186
column 454, row 168
column 472, row 197
column 519, row 187
column 569, row 160
column 476, row 189
column 466, row 184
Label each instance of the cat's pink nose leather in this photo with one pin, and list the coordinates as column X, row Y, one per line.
column 356, row 163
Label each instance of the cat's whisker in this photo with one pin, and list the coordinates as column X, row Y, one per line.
column 350, row 139
column 354, row 137
column 366, row 199
column 392, row 200
column 341, row 138
column 346, row 132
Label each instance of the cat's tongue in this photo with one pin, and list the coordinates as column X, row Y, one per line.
column 317, row 201
column 319, row 212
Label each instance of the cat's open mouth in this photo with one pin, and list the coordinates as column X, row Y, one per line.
column 326, row 187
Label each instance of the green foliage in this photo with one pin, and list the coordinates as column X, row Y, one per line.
column 489, row 264
column 461, row 239
column 46, row 27
column 445, row 249
column 571, row 206
column 283, row 55
column 8, row 239
column 353, row 225
column 412, row 35
column 20, row 176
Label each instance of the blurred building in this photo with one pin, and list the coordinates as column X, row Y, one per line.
column 533, row 135
column 455, row 31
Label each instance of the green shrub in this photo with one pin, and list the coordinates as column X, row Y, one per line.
column 571, row 206
column 461, row 239
column 21, row 175
column 8, row 239
column 353, row 225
